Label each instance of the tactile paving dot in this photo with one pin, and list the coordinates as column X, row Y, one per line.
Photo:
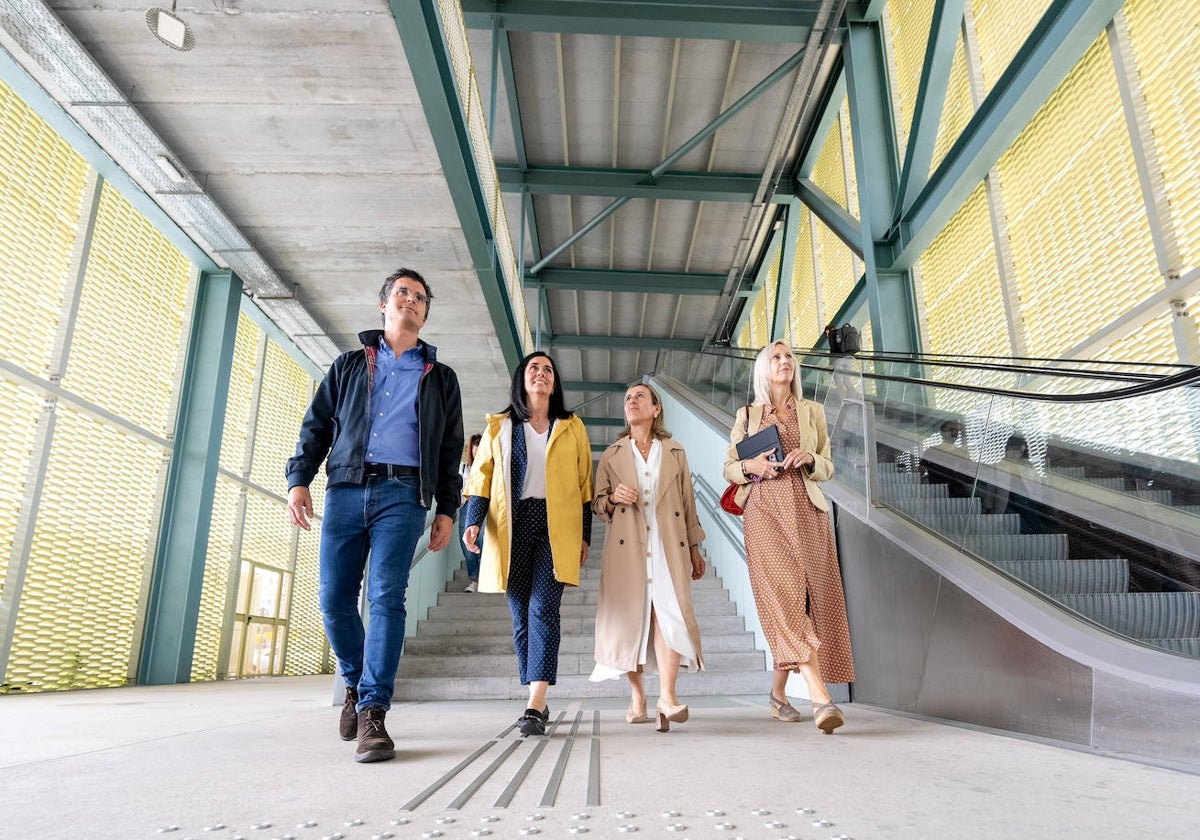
column 715, row 813
column 627, row 828
column 352, row 823
column 166, row 829
column 578, row 829
column 400, row 821
column 821, row 823
column 481, row 832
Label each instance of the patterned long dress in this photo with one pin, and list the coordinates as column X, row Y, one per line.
column 794, row 571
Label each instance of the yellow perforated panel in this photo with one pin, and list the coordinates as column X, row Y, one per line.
column 267, row 534
column 125, row 355
column 286, row 392
column 964, row 310
column 764, row 305
column 1081, row 246
column 806, row 323
column 1001, row 26
column 241, row 393
column 1165, row 39
column 215, row 589
column 829, row 171
column 306, row 648
column 19, row 412
column 835, row 262
column 1151, row 342
column 95, row 529
column 957, row 109
column 42, row 184
column 909, row 25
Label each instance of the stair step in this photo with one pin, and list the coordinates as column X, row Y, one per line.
column 501, row 643
column 569, row 664
column 709, row 624
column 572, row 597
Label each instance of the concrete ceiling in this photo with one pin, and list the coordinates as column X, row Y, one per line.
column 305, row 125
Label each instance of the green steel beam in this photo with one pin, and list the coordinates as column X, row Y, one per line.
column 602, row 421
column 612, row 387
column 429, row 62
column 634, row 183
column 944, row 33
column 834, row 215
column 890, row 298
column 510, row 90
column 1057, row 43
column 776, row 21
column 651, row 282
column 173, row 608
column 623, row 342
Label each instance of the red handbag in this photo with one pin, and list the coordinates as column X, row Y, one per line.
column 728, row 499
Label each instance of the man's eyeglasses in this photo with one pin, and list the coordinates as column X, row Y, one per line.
column 403, row 292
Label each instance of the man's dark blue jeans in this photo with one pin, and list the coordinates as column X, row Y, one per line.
column 382, row 519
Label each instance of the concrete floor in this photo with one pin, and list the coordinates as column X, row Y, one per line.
column 261, row 759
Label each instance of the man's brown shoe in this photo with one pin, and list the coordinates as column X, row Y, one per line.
column 374, row 744
column 348, row 721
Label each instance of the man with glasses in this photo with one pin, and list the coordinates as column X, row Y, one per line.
column 387, row 422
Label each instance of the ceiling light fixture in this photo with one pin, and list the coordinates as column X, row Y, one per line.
column 170, row 169
column 170, row 28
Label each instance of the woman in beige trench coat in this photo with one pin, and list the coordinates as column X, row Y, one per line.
column 651, row 556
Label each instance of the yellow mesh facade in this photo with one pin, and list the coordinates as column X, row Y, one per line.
column 1081, row 245
column 286, row 393
column 964, row 310
column 910, row 21
column 267, row 534
column 829, row 172
column 806, row 320
column 240, row 398
column 19, row 411
column 306, row 647
column 1152, row 342
column 1165, row 39
column 215, row 588
column 835, row 264
column 137, row 280
column 42, row 186
column 1001, row 27
column 759, row 326
column 95, row 530
column 957, row 109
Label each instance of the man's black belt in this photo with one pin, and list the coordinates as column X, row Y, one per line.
column 389, row 470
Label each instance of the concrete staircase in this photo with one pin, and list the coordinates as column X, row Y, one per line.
column 463, row 650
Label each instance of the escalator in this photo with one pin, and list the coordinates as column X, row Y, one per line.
column 1039, row 572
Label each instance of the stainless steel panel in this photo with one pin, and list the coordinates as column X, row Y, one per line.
column 1159, row 725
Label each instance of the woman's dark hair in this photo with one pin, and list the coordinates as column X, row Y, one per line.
column 518, row 408
column 1017, row 445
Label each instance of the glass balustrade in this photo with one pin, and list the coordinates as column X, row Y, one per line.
column 1060, row 475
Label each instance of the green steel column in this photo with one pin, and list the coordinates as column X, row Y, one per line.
column 174, row 606
column 890, row 298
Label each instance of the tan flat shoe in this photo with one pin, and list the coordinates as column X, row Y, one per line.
column 784, row 711
column 636, row 715
column 828, row 717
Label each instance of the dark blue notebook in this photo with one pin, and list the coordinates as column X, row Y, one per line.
column 762, row 441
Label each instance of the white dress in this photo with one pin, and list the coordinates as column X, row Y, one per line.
column 660, row 591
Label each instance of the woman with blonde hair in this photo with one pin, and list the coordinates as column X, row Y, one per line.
column 790, row 548
column 644, row 617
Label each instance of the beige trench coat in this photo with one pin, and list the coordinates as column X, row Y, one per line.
column 813, row 438
column 623, row 570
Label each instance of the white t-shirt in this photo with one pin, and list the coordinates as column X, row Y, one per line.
column 535, row 463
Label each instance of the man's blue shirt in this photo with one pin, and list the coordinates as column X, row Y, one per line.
column 394, row 437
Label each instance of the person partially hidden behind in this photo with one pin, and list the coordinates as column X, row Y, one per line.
column 934, row 472
column 389, row 418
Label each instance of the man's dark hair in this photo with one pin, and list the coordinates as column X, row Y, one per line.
column 518, row 408
column 411, row 274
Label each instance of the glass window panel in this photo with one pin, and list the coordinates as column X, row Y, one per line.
column 95, row 532
column 235, row 648
column 264, row 598
column 259, row 649
column 126, row 357
column 280, row 646
column 243, row 597
column 1074, row 209
column 285, row 593
column 1165, row 39
column 42, row 186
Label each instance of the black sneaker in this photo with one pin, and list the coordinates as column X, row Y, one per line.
column 348, row 721
column 374, row 743
column 533, row 722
